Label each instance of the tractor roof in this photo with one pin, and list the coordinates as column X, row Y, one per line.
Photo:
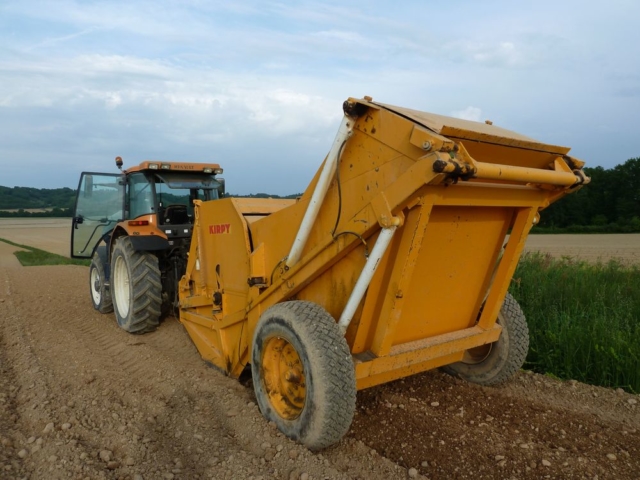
column 157, row 165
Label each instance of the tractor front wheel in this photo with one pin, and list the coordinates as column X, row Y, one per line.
column 303, row 374
column 495, row 363
column 135, row 287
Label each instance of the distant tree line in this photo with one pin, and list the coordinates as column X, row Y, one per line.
column 264, row 195
column 21, row 212
column 26, row 197
column 58, row 202
column 609, row 204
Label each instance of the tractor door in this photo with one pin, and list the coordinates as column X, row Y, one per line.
column 99, row 208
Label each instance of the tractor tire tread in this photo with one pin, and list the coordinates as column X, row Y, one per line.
column 515, row 328
column 519, row 341
column 341, row 391
column 335, row 376
column 146, row 289
column 106, row 302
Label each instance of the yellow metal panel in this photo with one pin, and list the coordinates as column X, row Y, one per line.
column 402, row 277
column 257, row 262
column 460, row 248
column 508, row 264
column 219, row 267
column 473, row 194
column 508, row 155
column 225, row 348
column 206, row 340
column 261, row 206
column 277, row 232
column 226, row 244
column 466, row 129
column 332, row 288
column 413, row 357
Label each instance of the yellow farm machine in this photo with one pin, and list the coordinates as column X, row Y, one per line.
column 395, row 260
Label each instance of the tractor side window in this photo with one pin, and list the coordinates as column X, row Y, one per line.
column 140, row 196
column 99, row 207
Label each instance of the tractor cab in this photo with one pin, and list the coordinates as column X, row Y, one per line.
column 151, row 199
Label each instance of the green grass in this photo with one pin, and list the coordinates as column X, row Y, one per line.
column 32, row 257
column 584, row 319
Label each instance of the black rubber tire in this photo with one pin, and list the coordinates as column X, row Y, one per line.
column 98, row 291
column 136, row 288
column 330, row 399
column 507, row 355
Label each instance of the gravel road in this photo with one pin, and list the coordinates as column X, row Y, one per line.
column 81, row 399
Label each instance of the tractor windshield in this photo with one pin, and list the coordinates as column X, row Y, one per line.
column 189, row 181
column 175, row 193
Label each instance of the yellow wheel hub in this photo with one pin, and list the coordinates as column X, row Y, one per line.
column 283, row 377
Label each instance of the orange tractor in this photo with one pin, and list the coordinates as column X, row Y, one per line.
column 136, row 228
column 395, row 260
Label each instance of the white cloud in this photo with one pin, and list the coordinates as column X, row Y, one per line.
column 254, row 83
column 505, row 53
column 112, row 100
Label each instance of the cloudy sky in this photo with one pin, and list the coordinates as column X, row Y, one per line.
column 258, row 86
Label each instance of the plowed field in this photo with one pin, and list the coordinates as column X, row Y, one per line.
column 80, row 398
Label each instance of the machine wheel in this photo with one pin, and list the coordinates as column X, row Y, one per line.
column 135, row 287
column 100, row 294
column 303, row 374
column 497, row 362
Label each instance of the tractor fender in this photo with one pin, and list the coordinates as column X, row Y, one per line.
column 145, row 239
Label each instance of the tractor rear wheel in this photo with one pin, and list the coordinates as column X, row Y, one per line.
column 135, row 287
column 100, row 293
column 496, row 363
column 303, row 374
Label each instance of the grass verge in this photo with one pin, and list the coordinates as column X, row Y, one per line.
column 584, row 319
column 32, row 257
